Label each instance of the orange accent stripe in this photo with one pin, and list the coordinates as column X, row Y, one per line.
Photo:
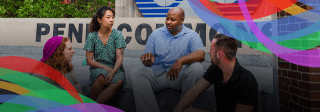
column 13, row 87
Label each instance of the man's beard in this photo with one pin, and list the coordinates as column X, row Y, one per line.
column 215, row 60
column 174, row 30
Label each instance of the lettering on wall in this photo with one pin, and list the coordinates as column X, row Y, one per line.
column 138, row 33
column 201, row 30
column 188, row 25
column 212, row 32
column 44, row 29
column 77, row 34
column 87, row 31
column 159, row 25
column 56, row 31
column 128, row 28
column 40, row 32
column 224, row 30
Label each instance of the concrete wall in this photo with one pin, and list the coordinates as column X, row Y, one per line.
column 36, row 31
column 27, row 36
column 129, row 8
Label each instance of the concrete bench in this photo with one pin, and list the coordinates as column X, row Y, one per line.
column 167, row 99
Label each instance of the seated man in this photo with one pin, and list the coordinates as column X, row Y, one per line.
column 236, row 89
column 174, row 52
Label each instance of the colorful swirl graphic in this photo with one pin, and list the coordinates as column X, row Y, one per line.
column 36, row 95
column 267, row 39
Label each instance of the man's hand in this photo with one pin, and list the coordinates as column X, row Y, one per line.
column 174, row 71
column 147, row 59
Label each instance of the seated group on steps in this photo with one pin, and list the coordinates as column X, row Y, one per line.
column 172, row 59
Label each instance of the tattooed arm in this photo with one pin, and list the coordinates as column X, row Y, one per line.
column 119, row 54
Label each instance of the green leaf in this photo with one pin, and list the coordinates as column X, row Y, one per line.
column 51, row 8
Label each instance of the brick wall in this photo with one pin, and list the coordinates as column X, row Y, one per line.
column 299, row 86
column 289, row 25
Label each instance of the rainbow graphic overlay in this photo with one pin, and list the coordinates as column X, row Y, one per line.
column 267, row 40
column 36, row 95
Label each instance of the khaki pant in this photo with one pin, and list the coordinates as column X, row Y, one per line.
column 145, row 83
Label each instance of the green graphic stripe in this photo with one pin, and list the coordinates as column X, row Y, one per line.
column 302, row 43
column 38, row 88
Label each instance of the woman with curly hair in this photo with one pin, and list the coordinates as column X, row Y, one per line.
column 105, row 45
column 58, row 53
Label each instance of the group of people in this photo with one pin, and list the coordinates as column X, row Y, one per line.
column 172, row 59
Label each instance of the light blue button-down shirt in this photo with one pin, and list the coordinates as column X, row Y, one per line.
column 167, row 49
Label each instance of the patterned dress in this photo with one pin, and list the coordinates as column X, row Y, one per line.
column 105, row 54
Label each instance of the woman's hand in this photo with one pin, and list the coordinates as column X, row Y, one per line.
column 109, row 79
column 109, row 69
column 110, row 75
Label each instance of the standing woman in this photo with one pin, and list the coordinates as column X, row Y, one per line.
column 106, row 46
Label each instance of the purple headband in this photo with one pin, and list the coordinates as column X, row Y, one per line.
column 50, row 47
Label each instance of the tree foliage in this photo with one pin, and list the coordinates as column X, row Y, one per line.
column 51, row 8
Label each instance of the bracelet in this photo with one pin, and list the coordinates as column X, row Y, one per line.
column 89, row 57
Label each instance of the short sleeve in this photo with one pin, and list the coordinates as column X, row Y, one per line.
column 120, row 42
column 89, row 45
column 150, row 46
column 209, row 75
column 196, row 43
column 248, row 92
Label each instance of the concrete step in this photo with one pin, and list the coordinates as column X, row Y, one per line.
column 167, row 99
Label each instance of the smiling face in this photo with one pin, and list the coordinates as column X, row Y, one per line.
column 107, row 19
column 68, row 51
column 174, row 21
